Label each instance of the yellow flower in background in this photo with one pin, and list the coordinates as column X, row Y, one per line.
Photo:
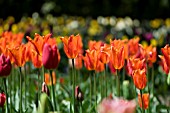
column 1, row 30
column 156, row 23
column 45, row 31
column 124, row 37
column 14, row 28
column 154, row 42
column 144, row 43
column 167, row 22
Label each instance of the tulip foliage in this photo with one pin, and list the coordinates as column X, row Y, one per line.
column 104, row 77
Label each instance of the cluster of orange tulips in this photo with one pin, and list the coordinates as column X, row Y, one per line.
column 118, row 55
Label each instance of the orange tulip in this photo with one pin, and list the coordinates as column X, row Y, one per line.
column 104, row 54
column 38, row 42
column 36, row 48
column 90, row 59
column 164, row 64
column 78, row 61
column 72, row 45
column 28, row 52
column 117, row 56
column 36, row 59
column 166, row 53
column 139, row 78
column 134, row 64
column 133, row 46
column 151, row 54
column 48, row 80
column 99, row 66
column 95, row 45
column 144, row 100
column 17, row 55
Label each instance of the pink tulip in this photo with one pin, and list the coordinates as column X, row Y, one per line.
column 50, row 56
column 5, row 65
column 2, row 99
column 116, row 106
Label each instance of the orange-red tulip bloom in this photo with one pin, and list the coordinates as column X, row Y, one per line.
column 72, row 45
column 95, row 45
column 144, row 100
column 139, row 78
column 117, row 56
column 48, row 78
column 166, row 53
column 134, row 64
column 133, row 46
column 91, row 61
column 151, row 54
column 104, row 54
column 164, row 64
column 17, row 55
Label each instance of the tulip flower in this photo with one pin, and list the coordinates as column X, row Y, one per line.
column 139, row 78
column 134, row 64
column 116, row 106
column 78, row 94
column 48, row 80
column 104, row 54
column 95, row 45
column 72, row 45
column 117, row 57
column 2, row 99
column 5, row 65
column 166, row 53
column 45, row 89
column 50, row 56
column 90, row 59
column 17, row 55
column 164, row 64
column 151, row 54
column 144, row 100
column 78, row 61
column 133, row 46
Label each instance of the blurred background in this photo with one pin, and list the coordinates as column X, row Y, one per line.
column 140, row 9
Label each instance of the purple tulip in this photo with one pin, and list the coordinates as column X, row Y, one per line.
column 5, row 65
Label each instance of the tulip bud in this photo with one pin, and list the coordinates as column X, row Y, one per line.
column 5, row 65
column 45, row 89
column 50, row 56
column 78, row 94
column 2, row 99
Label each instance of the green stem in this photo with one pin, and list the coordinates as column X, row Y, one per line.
column 142, row 101
column 153, row 80
column 73, row 74
column 53, row 90
column 4, row 80
column 10, row 95
column 105, row 81
column 20, row 104
column 118, row 84
column 25, row 85
column 90, row 92
column 95, row 90
column 81, row 107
